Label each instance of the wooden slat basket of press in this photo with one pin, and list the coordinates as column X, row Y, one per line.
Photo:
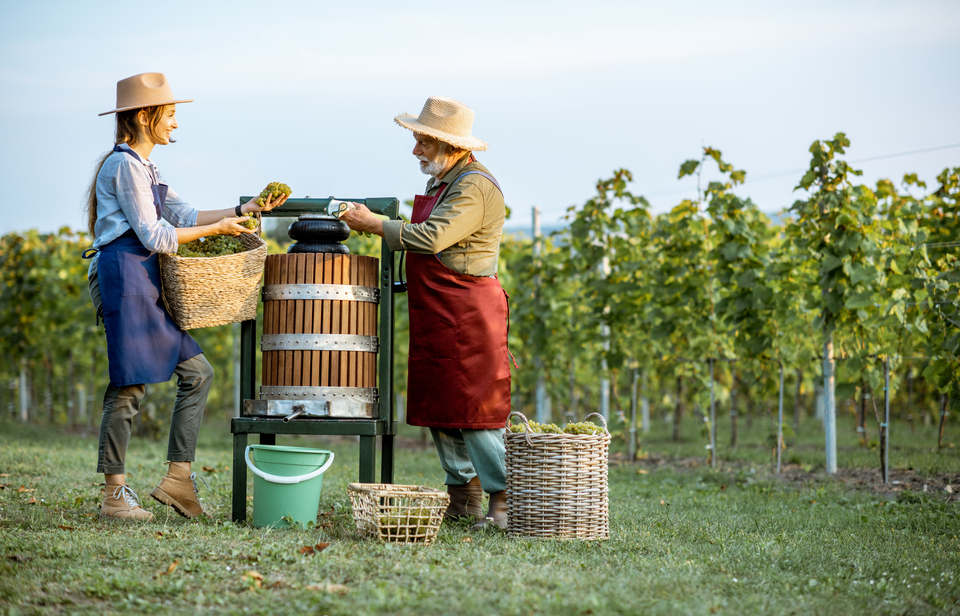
column 557, row 483
column 208, row 291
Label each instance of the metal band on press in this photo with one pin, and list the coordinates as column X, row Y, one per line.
column 319, row 342
column 341, row 292
column 366, row 395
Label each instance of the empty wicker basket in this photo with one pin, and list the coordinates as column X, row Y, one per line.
column 209, row 291
column 557, row 483
column 398, row 513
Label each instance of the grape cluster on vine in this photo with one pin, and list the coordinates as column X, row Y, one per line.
column 273, row 189
column 212, row 246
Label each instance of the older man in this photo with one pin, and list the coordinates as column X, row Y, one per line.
column 459, row 372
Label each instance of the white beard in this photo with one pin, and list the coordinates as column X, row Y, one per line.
column 433, row 167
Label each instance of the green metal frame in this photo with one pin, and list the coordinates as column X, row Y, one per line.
column 368, row 430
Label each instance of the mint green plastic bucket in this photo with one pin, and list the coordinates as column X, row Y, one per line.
column 286, row 482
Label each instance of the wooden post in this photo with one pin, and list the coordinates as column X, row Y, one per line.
column 780, row 420
column 713, row 422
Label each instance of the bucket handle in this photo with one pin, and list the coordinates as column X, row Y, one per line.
column 285, row 480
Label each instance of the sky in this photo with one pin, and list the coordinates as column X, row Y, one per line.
column 564, row 92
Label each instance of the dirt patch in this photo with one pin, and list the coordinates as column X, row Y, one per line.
column 945, row 486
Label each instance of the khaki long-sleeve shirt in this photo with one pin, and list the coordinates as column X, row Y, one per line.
column 464, row 228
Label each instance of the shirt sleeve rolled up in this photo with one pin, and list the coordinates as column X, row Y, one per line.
column 135, row 198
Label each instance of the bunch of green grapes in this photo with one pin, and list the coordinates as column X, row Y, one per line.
column 273, row 189
column 538, row 428
column 583, row 427
column 212, row 246
column 249, row 223
column 406, row 524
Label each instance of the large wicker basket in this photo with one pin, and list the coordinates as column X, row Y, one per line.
column 398, row 513
column 557, row 483
column 208, row 291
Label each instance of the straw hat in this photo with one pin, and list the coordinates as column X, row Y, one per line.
column 144, row 90
column 448, row 120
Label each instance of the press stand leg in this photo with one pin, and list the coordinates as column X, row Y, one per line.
column 386, row 459
column 368, row 459
column 239, row 478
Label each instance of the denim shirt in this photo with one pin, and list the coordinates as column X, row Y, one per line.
column 125, row 201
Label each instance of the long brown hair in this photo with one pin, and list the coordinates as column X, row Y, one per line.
column 128, row 131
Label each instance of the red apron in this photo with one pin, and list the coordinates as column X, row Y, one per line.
column 458, row 372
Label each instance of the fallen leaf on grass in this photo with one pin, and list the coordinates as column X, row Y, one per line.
column 337, row 588
column 209, row 469
column 643, row 471
column 20, row 558
column 159, row 535
column 4, row 474
column 170, row 569
column 314, row 549
column 2, row 487
column 23, row 489
column 466, row 540
column 66, row 527
column 723, row 487
column 249, row 498
column 948, row 489
column 254, row 577
column 32, row 501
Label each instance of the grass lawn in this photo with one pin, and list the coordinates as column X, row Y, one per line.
column 685, row 539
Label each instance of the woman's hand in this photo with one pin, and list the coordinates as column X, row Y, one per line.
column 272, row 202
column 231, row 226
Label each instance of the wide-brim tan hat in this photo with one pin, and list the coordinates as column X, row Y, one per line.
column 144, row 90
column 445, row 119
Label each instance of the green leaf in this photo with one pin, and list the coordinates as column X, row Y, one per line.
column 688, row 168
column 863, row 272
column 831, row 262
column 863, row 299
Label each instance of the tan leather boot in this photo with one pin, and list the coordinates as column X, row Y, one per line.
column 465, row 500
column 122, row 503
column 179, row 490
column 496, row 512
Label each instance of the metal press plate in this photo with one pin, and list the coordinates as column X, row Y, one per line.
column 319, row 342
column 351, row 407
column 340, row 292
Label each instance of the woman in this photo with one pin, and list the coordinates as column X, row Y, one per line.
column 126, row 202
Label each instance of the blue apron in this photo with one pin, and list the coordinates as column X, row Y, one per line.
column 144, row 345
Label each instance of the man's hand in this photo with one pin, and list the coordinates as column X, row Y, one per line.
column 361, row 219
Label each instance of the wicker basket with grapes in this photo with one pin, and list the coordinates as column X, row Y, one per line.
column 557, row 479
column 215, row 280
column 397, row 513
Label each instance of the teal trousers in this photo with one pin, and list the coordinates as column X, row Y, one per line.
column 466, row 454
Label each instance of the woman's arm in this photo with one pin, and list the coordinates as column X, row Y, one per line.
column 211, row 216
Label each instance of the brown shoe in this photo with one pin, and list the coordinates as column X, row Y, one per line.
column 179, row 490
column 465, row 501
column 496, row 513
column 122, row 503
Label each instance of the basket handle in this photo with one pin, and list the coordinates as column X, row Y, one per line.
column 523, row 419
column 603, row 421
column 285, row 480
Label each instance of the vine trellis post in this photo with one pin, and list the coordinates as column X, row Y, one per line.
column 541, row 391
column 829, row 380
